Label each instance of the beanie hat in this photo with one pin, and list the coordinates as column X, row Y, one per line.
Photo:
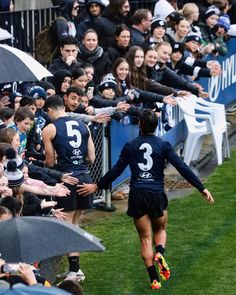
column 193, row 37
column 11, row 155
column 211, row 10
column 37, row 92
column 108, row 83
column 224, row 22
column 14, row 175
column 157, row 23
column 177, row 46
column 174, row 16
column 15, row 94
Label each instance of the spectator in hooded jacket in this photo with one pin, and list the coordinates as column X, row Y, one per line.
column 93, row 9
column 113, row 15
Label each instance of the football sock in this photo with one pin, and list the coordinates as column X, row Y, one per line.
column 73, row 263
column 160, row 249
column 152, row 273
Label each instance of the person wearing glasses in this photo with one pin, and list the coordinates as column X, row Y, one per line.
column 64, row 25
column 67, row 13
column 141, row 25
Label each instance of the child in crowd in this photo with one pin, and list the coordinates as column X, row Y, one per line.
column 79, row 79
column 207, row 27
column 158, row 30
column 11, row 136
column 7, row 115
column 23, row 121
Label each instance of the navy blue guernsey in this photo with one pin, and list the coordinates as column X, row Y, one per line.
column 146, row 156
column 71, row 143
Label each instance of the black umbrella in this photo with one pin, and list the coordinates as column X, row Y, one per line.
column 27, row 239
column 20, row 289
column 16, row 65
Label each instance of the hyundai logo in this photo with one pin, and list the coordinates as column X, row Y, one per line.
column 214, row 86
column 145, row 175
column 76, row 152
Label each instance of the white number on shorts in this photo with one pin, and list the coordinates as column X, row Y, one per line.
column 73, row 132
column 147, row 157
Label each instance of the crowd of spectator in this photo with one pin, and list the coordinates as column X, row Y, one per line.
column 108, row 64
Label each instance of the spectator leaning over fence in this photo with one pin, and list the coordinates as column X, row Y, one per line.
column 72, row 142
column 114, row 14
column 141, row 25
column 138, row 75
column 191, row 68
column 93, row 9
column 158, row 71
column 146, row 155
column 68, row 59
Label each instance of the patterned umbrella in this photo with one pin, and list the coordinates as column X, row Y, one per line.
column 16, row 65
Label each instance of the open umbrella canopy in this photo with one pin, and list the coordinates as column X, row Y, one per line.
column 20, row 289
column 30, row 238
column 16, row 65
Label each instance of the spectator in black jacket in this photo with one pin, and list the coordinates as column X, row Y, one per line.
column 90, row 52
column 141, row 25
column 121, row 43
column 162, row 74
column 68, row 59
column 114, row 14
column 93, row 9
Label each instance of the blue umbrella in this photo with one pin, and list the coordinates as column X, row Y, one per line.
column 21, row 289
column 30, row 238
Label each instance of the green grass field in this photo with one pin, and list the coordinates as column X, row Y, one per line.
column 201, row 246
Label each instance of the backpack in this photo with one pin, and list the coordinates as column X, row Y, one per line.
column 45, row 42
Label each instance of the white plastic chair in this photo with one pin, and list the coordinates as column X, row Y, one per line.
column 212, row 123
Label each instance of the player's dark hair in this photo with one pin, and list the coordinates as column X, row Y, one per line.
column 54, row 102
column 148, row 121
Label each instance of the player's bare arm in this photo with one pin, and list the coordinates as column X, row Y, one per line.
column 48, row 134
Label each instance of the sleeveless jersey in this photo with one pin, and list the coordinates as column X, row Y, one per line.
column 71, row 143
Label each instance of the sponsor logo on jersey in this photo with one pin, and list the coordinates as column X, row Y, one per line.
column 145, row 175
column 76, row 152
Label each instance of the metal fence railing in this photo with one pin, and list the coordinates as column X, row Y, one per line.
column 24, row 25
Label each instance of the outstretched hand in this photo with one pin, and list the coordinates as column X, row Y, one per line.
column 207, row 195
column 86, row 189
column 67, row 178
